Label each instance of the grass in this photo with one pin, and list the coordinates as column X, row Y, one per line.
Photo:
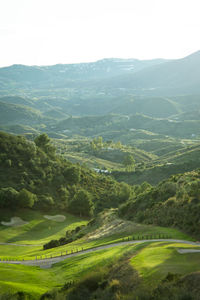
column 37, row 281
column 14, row 278
column 39, row 230
column 156, row 260
column 153, row 261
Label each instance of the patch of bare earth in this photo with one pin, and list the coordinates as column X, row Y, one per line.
column 109, row 224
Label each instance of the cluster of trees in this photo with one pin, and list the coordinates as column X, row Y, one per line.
column 98, row 143
column 71, row 235
column 32, row 175
column 10, row 198
column 174, row 202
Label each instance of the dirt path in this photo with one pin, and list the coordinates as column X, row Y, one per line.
column 48, row 262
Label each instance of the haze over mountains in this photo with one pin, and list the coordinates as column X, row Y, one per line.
column 46, row 97
column 155, row 77
column 61, row 74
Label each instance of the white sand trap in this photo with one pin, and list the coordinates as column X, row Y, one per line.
column 182, row 251
column 56, row 218
column 15, row 221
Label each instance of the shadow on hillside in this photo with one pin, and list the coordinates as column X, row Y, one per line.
column 44, row 230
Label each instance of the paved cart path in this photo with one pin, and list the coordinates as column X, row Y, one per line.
column 48, row 262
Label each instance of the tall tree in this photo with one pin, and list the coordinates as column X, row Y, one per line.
column 82, row 204
column 129, row 162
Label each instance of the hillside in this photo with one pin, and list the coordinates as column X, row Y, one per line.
column 155, row 77
column 170, row 78
column 104, row 257
column 161, row 168
column 114, row 125
column 47, row 181
column 18, row 76
column 15, row 113
column 100, row 180
column 173, row 202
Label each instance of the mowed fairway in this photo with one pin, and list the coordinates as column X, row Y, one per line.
column 151, row 260
column 156, row 260
column 38, row 230
column 37, row 281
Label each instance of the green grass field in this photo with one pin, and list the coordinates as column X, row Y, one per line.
column 156, row 260
column 37, row 281
column 153, row 260
column 39, row 230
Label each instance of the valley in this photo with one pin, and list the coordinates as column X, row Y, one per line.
column 100, row 180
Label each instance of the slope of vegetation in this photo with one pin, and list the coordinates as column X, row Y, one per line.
column 174, row 202
column 32, row 175
column 15, row 113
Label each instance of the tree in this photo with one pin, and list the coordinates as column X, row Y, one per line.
column 45, row 201
column 72, row 174
column 8, row 197
column 129, row 162
column 26, row 198
column 64, row 197
column 43, row 142
column 81, row 204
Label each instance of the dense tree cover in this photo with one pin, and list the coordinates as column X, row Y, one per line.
column 32, row 175
column 174, row 202
column 81, row 204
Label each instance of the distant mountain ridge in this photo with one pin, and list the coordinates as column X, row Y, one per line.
column 178, row 76
column 142, row 77
column 66, row 74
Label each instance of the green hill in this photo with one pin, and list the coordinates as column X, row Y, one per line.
column 174, row 202
column 47, row 181
column 161, row 168
column 14, row 113
column 113, row 126
column 170, row 78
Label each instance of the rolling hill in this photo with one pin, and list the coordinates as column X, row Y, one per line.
column 171, row 78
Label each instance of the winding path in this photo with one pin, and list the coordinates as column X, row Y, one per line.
column 48, row 262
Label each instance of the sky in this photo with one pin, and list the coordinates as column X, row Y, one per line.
column 47, row 32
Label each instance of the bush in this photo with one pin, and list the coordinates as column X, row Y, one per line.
column 51, row 244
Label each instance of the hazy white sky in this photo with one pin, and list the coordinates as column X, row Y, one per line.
column 41, row 32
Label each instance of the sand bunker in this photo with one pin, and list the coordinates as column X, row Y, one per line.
column 56, row 218
column 182, row 251
column 15, row 221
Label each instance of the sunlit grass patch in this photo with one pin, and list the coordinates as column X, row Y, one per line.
column 37, row 281
column 156, row 260
column 38, row 230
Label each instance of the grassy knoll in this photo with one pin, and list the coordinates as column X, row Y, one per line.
column 37, row 281
column 39, row 230
column 107, row 229
column 153, row 262
column 137, row 230
column 156, row 260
